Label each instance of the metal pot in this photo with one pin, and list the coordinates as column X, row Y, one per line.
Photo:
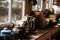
column 6, row 34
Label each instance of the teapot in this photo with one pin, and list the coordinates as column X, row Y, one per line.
column 6, row 34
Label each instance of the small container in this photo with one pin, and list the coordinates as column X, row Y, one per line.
column 6, row 34
column 59, row 20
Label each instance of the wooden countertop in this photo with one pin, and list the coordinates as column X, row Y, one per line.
column 41, row 34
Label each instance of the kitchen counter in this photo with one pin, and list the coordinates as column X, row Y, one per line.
column 42, row 34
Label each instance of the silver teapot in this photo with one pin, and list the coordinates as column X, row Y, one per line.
column 6, row 34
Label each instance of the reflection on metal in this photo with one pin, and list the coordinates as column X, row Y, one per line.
column 24, row 26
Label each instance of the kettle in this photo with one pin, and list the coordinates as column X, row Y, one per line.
column 6, row 34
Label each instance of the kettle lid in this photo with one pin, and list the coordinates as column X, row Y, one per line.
column 5, row 30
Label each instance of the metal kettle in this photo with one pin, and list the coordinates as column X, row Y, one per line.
column 6, row 34
column 5, row 31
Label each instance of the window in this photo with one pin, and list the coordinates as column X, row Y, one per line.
column 17, row 9
column 11, row 10
column 39, row 5
column 49, row 3
column 4, row 11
